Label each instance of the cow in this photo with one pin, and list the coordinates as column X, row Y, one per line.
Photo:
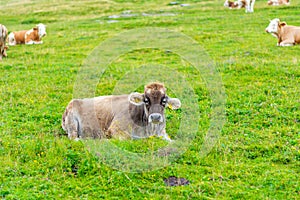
column 235, row 4
column 286, row 35
column 248, row 4
column 3, row 36
column 278, row 2
column 133, row 116
column 32, row 36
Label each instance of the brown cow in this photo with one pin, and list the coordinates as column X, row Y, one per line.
column 278, row 2
column 286, row 35
column 120, row 116
column 235, row 4
column 3, row 36
column 248, row 4
column 32, row 36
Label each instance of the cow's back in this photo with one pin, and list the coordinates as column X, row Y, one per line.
column 19, row 36
column 291, row 33
column 92, row 117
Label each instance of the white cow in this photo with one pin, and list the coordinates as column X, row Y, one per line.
column 286, row 35
column 278, row 2
column 248, row 4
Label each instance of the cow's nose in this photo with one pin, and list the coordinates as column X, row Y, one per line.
column 155, row 118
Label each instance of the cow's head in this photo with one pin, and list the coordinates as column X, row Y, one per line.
column 274, row 26
column 155, row 100
column 226, row 3
column 41, row 28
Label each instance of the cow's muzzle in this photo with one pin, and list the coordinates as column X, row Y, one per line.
column 155, row 118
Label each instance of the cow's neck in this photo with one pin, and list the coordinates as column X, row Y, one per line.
column 138, row 115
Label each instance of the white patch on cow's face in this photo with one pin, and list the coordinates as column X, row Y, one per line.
column 41, row 30
column 273, row 26
column 11, row 39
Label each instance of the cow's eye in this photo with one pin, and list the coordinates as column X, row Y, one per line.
column 164, row 101
column 146, row 100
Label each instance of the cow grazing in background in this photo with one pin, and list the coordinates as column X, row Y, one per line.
column 235, row 4
column 32, row 36
column 137, row 115
column 278, row 2
column 3, row 36
column 248, row 4
column 286, row 35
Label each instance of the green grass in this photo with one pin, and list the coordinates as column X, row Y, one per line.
column 256, row 156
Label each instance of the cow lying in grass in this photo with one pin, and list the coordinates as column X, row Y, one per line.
column 248, row 4
column 286, row 35
column 235, row 4
column 3, row 36
column 32, row 36
column 278, row 2
column 120, row 116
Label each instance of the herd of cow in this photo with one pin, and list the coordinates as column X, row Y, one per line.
column 32, row 36
column 249, row 4
column 136, row 115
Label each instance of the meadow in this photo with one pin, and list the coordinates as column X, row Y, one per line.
column 255, row 155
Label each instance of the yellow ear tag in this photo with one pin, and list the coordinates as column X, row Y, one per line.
column 136, row 100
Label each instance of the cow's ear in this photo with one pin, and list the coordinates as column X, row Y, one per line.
column 136, row 98
column 35, row 28
column 282, row 24
column 174, row 103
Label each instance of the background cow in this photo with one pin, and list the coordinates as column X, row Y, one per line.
column 32, row 36
column 248, row 4
column 120, row 116
column 278, row 2
column 235, row 4
column 286, row 35
column 3, row 36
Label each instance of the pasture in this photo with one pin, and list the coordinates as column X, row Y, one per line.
column 256, row 155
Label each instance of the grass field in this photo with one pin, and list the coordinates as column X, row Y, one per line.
column 256, row 154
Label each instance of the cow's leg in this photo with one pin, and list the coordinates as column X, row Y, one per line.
column 286, row 43
column 282, row 44
column 114, row 131
column 247, row 5
column 38, row 42
column 29, row 42
column 252, row 6
column 165, row 136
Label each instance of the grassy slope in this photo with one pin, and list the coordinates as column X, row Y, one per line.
column 257, row 155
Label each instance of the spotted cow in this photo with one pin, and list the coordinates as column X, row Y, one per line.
column 32, row 36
